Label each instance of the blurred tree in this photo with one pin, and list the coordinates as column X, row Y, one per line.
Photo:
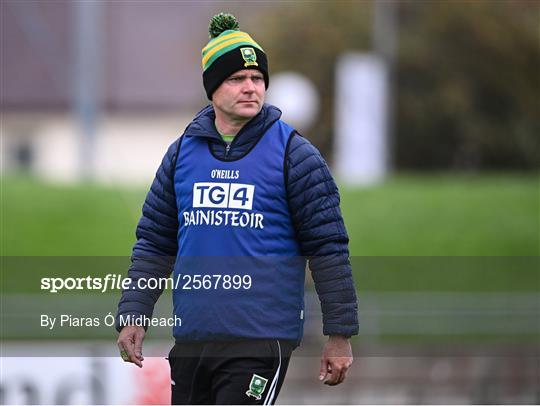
column 467, row 75
column 468, row 85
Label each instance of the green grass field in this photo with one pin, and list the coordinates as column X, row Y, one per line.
column 445, row 215
column 409, row 215
column 412, row 216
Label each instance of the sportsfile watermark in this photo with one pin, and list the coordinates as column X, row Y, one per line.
column 432, row 305
column 112, row 282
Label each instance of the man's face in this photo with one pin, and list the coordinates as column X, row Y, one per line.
column 241, row 96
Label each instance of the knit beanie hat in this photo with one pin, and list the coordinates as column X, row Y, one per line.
column 229, row 50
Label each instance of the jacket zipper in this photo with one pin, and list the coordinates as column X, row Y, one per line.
column 228, row 146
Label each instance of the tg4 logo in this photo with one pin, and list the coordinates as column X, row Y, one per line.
column 223, row 195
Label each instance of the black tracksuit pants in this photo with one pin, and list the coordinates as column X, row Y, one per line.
column 248, row 372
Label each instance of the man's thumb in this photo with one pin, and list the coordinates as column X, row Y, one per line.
column 324, row 369
column 138, row 347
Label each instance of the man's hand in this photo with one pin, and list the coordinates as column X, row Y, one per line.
column 130, row 340
column 336, row 360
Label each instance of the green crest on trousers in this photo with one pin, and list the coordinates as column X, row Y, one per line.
column 256, row 386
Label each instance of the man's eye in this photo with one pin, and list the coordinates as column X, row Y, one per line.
column 257, row 79
column 235, row 79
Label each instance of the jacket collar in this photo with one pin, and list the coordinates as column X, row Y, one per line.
column 203, row 124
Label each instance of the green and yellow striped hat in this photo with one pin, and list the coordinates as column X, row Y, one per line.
column 229, row 50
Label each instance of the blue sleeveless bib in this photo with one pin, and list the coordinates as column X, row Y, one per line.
column 239, row 269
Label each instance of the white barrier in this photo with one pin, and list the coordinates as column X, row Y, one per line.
column 87, row 379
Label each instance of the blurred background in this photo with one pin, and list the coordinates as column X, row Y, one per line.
column 427, row 112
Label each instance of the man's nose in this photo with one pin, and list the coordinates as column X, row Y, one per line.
column 249, row 86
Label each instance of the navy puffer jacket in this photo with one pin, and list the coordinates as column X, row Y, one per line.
column 314, row 206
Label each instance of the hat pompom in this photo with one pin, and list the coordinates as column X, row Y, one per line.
column 222, row 22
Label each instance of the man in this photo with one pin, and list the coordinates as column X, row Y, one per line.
column 240, row 199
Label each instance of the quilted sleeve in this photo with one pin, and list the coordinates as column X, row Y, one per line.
column 155, row 251
column 314, row 205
